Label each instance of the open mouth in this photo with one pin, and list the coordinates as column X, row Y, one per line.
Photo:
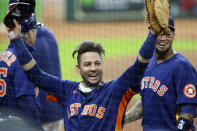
column 93, row 76
column 162, row 44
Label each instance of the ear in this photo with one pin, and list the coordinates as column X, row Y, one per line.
column 77, row 68
column 25, row 36
column 173, row 36
column 29, row 33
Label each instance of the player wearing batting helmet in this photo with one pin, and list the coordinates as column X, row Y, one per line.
column 90, row 105
column 168, row 90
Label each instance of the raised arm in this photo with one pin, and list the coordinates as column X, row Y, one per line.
column 41, row 79
column 135, row 113
column 145, row 53
column 148, row 47
column 134, row 73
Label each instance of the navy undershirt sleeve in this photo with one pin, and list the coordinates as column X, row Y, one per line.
column 148, row 48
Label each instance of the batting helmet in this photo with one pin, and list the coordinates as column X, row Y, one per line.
column 29, row 24
column 19, row 10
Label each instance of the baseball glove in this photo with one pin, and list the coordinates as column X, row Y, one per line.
column 158, row 14
column 151, row 16
column 161, row 12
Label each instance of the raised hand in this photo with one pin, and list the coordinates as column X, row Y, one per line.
column 14, row 33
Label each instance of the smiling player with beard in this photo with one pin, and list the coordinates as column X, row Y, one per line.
column 92, row 104
column 168, row 90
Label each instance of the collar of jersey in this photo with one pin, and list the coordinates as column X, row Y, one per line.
column 86, row 90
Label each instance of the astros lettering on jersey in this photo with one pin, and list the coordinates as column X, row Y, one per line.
column 165, row 86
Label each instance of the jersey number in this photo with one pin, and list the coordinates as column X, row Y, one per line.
column 3, row 71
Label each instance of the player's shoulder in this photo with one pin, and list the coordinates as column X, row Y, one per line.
column 182, row 62
column 8, row 50
column 44, row 31
column 181, row 59
column 108, row 84
column 6, row 54
column 71, row 84
column 7, row 57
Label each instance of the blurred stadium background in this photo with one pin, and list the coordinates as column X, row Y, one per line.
column 118, row 24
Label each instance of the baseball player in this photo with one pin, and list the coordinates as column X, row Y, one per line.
column 17, row 94
column 168, row 90
column 51, row 113
column 47, row 56
column 91, row 104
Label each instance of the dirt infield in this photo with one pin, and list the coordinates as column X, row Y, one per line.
column 184, row 29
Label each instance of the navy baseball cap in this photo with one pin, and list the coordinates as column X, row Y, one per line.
column 19, row 10
column 171, row 23
column 31, row 3
column 30, row 24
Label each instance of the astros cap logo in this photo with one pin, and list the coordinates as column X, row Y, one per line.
column 190, row 91
column 16, row 13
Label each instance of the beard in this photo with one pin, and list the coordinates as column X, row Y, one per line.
column 88, row 83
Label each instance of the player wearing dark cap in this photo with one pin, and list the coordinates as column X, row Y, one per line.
column 51, row 113
column 168, row 90
column 15, row 98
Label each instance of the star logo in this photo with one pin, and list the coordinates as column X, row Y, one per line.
column 16, row 13
column 190, row 91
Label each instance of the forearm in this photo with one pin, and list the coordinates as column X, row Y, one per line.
column 188, row 116
column 135, row 113
column 23, row 54
column 148, row 48
column 185, row 121
column 32, row 71
column 188, row 111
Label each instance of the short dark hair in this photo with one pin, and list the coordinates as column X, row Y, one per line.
column 88, row 46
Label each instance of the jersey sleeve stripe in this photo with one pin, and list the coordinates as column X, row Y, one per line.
column 122, row 107
column 29, row 65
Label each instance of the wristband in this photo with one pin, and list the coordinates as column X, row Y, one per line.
column 184, row 125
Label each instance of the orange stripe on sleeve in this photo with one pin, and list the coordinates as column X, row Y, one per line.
column 52, row 98
column 122, row 107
